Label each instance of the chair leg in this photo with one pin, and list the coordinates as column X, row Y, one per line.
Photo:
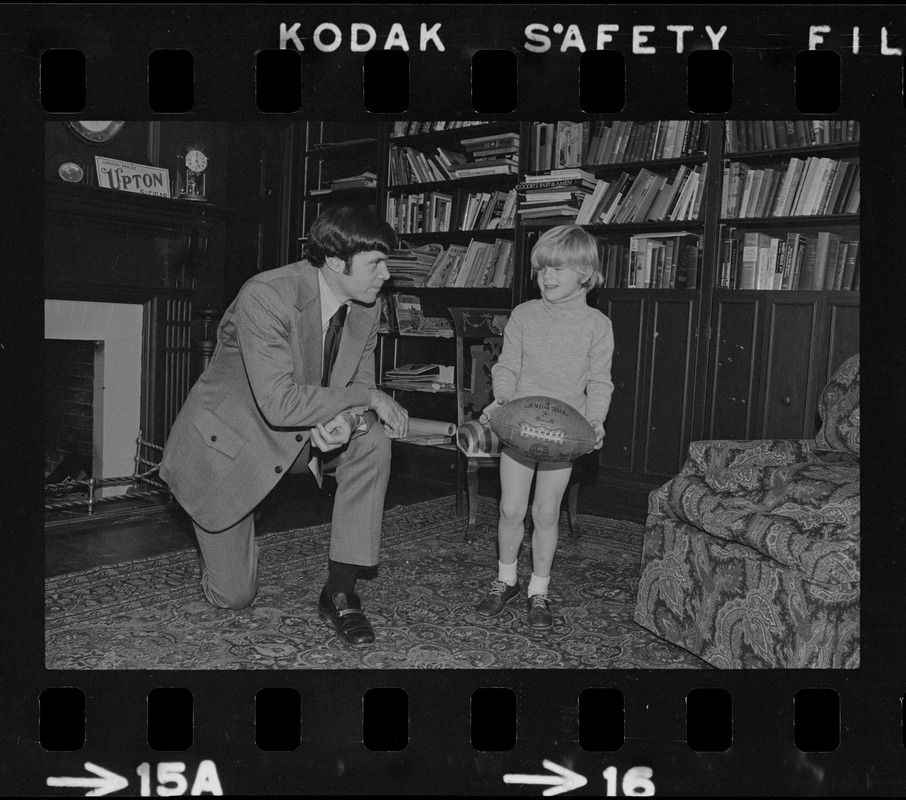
column 472, row 476
column 572, row 505
column 460, row 485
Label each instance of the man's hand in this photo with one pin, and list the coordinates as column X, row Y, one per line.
column 486, row 412
column 334, row 433
column 391, row 413
column 598, row 428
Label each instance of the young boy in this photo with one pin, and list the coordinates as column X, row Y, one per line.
column 561, row 347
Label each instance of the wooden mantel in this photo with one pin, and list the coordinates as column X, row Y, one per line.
column 110, row 238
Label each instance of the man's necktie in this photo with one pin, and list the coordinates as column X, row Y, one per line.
column 332, row 343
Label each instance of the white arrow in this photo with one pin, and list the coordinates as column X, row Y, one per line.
column 568, row 781
column 105, row 783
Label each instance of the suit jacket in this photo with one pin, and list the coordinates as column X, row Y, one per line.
column 249, row 415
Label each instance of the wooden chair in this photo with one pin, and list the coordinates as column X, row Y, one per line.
column 479, row 339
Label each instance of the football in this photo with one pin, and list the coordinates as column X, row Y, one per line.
column 543, row 429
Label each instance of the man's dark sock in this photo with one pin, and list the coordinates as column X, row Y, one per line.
column 340, row 577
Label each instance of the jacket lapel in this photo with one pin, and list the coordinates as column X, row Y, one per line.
column 308, row 302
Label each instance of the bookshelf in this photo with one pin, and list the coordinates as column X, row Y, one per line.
column 697, row 355
column 339, row 165
column 784, row 300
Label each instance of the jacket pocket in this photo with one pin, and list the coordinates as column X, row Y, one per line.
column 217, row 434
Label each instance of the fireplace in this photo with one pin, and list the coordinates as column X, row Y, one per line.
column 95, row 388
column 119, row 278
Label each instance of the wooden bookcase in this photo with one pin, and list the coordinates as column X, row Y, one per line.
column 691, row 363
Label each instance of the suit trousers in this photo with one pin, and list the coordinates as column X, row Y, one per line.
column 229, row 558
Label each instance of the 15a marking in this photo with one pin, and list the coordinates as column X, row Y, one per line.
column 636, row 782
column 171, row 781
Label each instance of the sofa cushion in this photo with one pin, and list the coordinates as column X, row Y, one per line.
column 839, row 410
column 803, row 514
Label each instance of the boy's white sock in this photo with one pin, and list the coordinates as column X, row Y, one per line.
column 507, row 573
column 538, row 585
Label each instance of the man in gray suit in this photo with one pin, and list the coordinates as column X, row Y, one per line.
column 269, row 403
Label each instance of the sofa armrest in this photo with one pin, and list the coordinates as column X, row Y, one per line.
column 720, row 455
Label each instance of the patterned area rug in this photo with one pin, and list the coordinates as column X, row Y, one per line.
column 150, row 614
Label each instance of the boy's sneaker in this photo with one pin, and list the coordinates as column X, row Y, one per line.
column 495, row 601
column 539, row 612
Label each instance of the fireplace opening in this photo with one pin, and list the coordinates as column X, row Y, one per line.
column 93, row 402
column 73, row 411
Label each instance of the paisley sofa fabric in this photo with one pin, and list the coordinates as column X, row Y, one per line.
column 751, row 555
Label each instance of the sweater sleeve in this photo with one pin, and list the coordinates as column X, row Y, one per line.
column 599, row 386
column 505, row 373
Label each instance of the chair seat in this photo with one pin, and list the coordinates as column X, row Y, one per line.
column 476, row 440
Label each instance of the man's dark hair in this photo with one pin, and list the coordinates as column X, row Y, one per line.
column 344, row 231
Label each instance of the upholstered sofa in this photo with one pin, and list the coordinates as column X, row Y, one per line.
column 751, row 554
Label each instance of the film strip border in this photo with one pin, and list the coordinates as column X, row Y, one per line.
column 470, row 740
column 497, row 59
column 494, row 81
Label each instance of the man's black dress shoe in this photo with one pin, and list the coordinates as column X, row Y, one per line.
column 344, row 612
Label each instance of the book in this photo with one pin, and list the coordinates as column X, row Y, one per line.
column 502, row 267
column 851, row 265
column 777, row 268
column 752, row 242
column 548, row 211
column 807, row 268
column 478, row 171
column 767, row 253
column 825, row 253
column 490, row 142
column 795, row 242
column 591, row 204
column 833, row 278
column 788, row 187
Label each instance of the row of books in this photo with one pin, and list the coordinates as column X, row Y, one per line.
column 622, row 142
column 408, row 165
column 489, row 210
column 364, row 180
column 811, row 186
column 646, row 196
column 407, row 318
column 652, row 261
column 425, row 212
column 432, row 212
column 410, row 265
column 478, row 264
column 796, row 261
column 756, row 135
column 565, row 144
column 412, row 127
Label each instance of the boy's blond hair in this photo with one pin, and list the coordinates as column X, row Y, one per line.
column 573, row 247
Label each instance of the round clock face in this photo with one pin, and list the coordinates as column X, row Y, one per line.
column 196, row 160
column 96, row 131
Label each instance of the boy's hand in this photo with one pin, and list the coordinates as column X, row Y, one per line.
column 489, row 409
column 598, row 428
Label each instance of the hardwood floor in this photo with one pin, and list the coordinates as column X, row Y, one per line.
column 110, row 538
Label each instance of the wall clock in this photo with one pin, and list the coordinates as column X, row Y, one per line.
column 95, row 131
